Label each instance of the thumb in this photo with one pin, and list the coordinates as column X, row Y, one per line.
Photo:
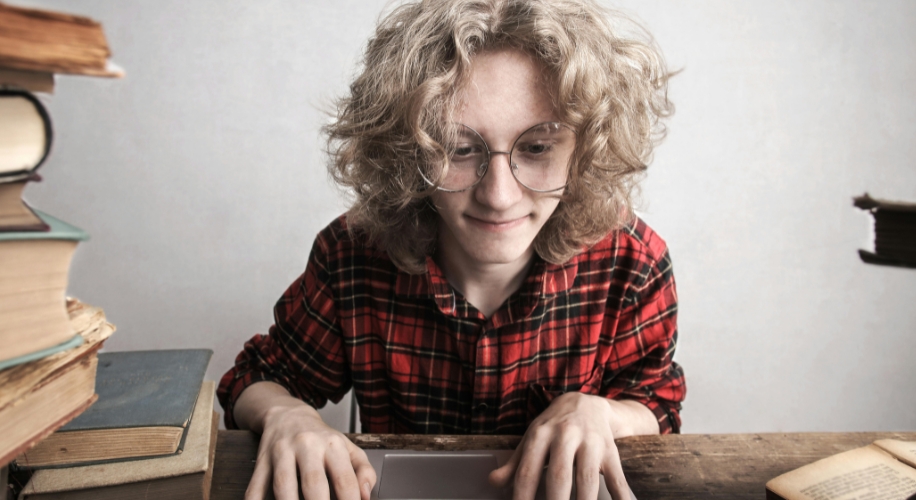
column 502, row 476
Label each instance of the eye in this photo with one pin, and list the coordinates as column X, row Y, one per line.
column 465, row 150
column 535, row 149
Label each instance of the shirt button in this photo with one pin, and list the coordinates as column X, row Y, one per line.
column 482, row 407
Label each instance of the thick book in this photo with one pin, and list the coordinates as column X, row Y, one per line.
column 40, row 396
column 883, row 469
column 183, row 476
column 54, row 401
column 25, row 135
column 145, row 403
column 54, row 42
column 33, row 283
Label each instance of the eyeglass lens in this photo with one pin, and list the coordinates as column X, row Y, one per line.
column 539, row 158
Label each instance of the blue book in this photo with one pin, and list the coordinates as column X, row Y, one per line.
column 146, row 399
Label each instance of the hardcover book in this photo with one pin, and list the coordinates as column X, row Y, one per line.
column 183, row 476
column 33, row 282
column 145, row 403
column 39, row 396
column 25, row 135
column 53, row 42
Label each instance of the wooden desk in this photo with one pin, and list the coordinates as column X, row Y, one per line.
column 688, row 466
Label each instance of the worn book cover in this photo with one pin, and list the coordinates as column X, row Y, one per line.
column 146, row 399
column 183, row 476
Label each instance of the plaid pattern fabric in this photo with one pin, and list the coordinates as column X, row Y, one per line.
column 424, row 360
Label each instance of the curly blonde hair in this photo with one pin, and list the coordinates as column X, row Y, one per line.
column 607, row 80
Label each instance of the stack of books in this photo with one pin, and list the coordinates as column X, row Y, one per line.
column 895, row 231
column 152, row 433
column 77, row 423
column 49, row 355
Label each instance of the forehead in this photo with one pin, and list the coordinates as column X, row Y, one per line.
column 506, row 93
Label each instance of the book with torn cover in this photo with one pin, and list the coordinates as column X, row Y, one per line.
column 42, row 395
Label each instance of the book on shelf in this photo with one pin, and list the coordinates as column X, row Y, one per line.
column 53, row 42
column 186, row 475
column 33, row 283
column 883, row 469
column 895, row 231
column 39, row 396
column 145, row 403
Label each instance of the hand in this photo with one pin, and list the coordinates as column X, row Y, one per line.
column 576, row 429
column 294, row 438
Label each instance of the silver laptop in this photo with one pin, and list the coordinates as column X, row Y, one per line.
column 441, row 475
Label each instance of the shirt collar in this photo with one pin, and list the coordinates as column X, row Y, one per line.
column 544, row 281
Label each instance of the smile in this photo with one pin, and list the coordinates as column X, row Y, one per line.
column 496, row 226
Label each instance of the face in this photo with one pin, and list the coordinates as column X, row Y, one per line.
column 496, row 221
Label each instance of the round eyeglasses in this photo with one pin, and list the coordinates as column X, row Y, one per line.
column 539, row 158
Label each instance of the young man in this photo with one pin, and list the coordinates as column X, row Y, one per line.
column 490, row 276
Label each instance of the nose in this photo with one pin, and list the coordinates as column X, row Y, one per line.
column 498, row 190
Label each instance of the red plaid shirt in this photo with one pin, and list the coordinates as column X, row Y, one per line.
column 423, row 360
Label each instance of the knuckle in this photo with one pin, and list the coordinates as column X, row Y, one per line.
column 541, row 433
column 305, row 440
column 559, row 474
column 588, row 473
column 526, row 472
column 345, row 484
column 278, row 451
column 313, row 477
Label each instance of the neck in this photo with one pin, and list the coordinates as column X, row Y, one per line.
column 485, row 285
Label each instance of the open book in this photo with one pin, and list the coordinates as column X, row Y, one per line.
column 883, row 470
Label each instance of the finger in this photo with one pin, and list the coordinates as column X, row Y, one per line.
column 284, row 482
column 365, row 474
column 531, row 464
column 613, row 474
column 501, row 476
column 588, row 476
column 313, row 476
column 341, row 476
column 559, row 477
column 260, row 480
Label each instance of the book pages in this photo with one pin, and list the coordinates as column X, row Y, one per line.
column 905, row 451
column 863, row 473
column 87, row 321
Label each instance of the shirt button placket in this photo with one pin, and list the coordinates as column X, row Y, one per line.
column 483, row 380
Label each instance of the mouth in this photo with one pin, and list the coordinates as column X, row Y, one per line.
column 496, row 225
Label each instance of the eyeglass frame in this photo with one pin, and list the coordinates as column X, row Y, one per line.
column 512, row 167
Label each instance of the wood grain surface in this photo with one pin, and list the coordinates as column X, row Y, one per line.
column 686, row 466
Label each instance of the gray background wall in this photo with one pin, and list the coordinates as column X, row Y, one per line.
column 201, row 179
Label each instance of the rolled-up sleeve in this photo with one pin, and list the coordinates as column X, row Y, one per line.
column 643, row 326
column 303, row 350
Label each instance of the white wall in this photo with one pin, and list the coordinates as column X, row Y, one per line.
column 201, row 179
